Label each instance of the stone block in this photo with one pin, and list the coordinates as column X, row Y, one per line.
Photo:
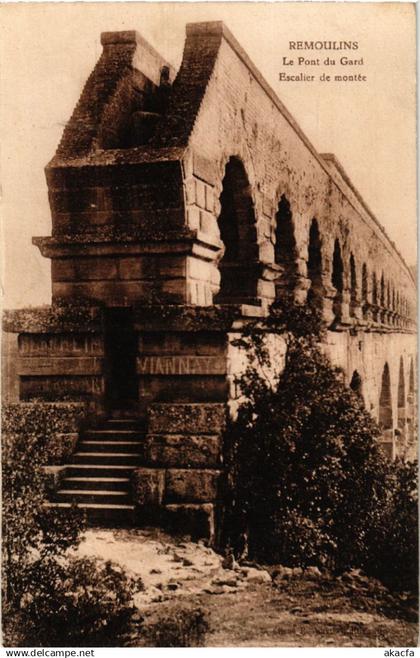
column 208, row 224
column 194, row 520
column 200, row 194
column 123, row 293
column 200, row 343
column 60, row 345
column 193, row 214
column 198, row 269
column 209, row 199
column 196, row 293
column 175, row 389
column 96, row 269
column 181, row 365
column 171, row 266
column 267, row 252
column 205, row 168
column 183, row 450
column 61, row 387
column 63, row 270
column 51, row 365
column 266, row 289
column 192, row 485
column 194, row 418
column 53, row 475
column 267, row 207
column 148, row 487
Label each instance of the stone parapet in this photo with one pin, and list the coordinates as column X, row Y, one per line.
column 58, row 318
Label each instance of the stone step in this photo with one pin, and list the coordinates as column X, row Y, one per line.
column 238, row 300
column 78, row 469
column 107, row 458
column 113, row 435
column 102, row 514
column 124, row 414
column 86, row 483
column 102, row 496
column 108, row 446
column 121, row 424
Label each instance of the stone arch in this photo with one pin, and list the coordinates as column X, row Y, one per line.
column 356, row 383
column 337, row 278
column 285, row 245
column 315, row 265
column 385, row 400
column 388, row 297
column 353, row 286
column 382, row 302
column 365, row 290
column 388, row 304
column 382, row 291
column 238, row 232
column 375, row 301
column 394, row 306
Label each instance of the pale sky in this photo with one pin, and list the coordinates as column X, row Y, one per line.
column 49, row 49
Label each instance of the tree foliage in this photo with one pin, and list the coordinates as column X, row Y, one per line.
column 51, row 597
column 308, row 482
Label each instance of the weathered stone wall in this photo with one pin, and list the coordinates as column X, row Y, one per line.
column 248, row 122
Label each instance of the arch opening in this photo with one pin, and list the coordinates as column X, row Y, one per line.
column 356, row 383
column 385, row 400
column 315, row 265
column 238, row 265
column 353, row 286
column 337, row 279
column 365, row 287
column 374, row 297
column 382, row 300
column 411, row 406
column 285, row 246
column 401, row 397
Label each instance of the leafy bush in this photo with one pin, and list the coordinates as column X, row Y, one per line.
column 78, row 602
column 51, row 598
column 175, row 625
column 308, row 482
column 393, row 540
column 27, row 525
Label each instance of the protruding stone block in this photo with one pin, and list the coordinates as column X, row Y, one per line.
column 194, row 520
column 53, row 475
column 183, row 450
column 192, row 486
column 186, row 418
column 148, row 486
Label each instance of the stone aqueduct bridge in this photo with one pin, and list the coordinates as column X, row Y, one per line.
column 183, row 205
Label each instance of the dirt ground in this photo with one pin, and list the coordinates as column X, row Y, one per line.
column 249, row 606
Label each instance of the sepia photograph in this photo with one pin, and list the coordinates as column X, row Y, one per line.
column 209, row 304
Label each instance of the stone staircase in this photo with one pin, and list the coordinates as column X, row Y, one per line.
column 97, row 477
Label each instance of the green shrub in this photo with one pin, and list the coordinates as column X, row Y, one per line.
column 392, row 554
column 26, row 523
column 308, row 482
column 78, row 602
column 175, row 625
column 50, row 598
